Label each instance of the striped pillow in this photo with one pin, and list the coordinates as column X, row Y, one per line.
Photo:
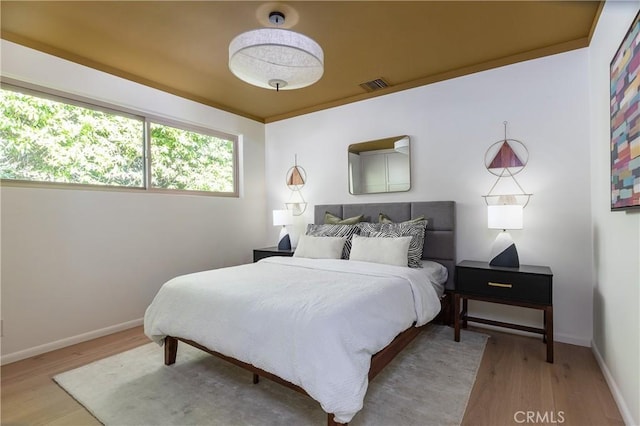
column 335, row 231
column 368, row 227
column 414, row 229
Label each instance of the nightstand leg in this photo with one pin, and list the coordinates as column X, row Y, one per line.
column 465, row 301
column 456, row 317
column 548, row 316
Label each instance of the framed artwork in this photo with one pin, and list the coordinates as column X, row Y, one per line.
column 625, row 121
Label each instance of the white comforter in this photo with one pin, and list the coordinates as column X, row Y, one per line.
column 315, row 323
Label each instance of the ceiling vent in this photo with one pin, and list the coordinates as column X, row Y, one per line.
column 377, row 84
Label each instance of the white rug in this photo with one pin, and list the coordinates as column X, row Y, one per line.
column 429, row 383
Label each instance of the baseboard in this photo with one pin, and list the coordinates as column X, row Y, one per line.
column 48, row 347
column 557, row 337
column 572, row 340
column 613, row 387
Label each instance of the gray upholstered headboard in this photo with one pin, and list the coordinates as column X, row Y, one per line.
column 440, row 237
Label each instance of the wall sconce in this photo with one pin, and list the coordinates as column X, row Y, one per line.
column 505, row 159
column 296, row 178
column 283, row 218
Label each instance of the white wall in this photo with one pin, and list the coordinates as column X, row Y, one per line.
column 616, row 295
column 77, row 264
column 451, row 125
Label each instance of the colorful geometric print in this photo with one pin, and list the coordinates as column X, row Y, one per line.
column 625, row 121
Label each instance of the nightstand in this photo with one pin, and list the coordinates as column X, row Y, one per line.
column 527, row 286
column 270, row 251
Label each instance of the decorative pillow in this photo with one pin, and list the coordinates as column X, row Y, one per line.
column 320, row 247
column 391, row 251
column 383, row 218
column 365, row 228
column 412, row 229
column 331, row 219
column 335, row 231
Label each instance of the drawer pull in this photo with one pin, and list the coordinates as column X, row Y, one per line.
column 499, row 285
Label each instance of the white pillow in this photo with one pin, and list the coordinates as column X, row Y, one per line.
column 320, row 247
column 391, row 251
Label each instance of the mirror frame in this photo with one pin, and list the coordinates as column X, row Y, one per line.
column 377, row 145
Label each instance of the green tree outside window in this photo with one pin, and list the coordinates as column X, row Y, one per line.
column 46, row 140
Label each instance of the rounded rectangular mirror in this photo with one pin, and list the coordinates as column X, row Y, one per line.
column 381, row 165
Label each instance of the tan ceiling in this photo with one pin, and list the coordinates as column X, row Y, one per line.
column 182, row 47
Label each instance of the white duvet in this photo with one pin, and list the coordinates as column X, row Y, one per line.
column 313, row 322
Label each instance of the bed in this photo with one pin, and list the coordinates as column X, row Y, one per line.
column 323, row 327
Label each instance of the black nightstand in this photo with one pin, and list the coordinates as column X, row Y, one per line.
column 270, row 251
column 527, row 286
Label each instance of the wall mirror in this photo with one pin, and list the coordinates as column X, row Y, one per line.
column 381, row 165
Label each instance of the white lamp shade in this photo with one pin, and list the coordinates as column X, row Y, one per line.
column 508, row 216
column 276, row 58
column 282, row 217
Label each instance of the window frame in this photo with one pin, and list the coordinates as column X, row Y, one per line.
column 146, row 121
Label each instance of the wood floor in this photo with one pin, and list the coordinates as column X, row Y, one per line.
column 514, row 384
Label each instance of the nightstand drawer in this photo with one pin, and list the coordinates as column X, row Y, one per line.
column 531, row 288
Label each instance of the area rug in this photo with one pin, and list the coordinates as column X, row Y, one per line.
column 429, row 383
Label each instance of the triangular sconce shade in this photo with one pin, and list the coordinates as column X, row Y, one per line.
column 296, row 177
column 505, row 157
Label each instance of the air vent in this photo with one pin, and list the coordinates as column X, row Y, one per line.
column 377, row 84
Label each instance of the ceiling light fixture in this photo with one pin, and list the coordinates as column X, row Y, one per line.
column 276, row 58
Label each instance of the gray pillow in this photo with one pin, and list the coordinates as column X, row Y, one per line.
column 329, row 230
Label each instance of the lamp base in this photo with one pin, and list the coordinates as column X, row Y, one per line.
column 284, row 242
column 504, row 252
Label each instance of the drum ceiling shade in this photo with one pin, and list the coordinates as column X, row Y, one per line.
column 276, row 58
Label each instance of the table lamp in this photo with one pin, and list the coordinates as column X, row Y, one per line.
column 283, row 218
column 503, row 251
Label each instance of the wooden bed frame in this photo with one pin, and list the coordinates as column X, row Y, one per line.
column 439, row 247
column 378, row 361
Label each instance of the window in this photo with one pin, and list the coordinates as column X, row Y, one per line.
column 46, row 140
column 189, row 160
column 50, row 139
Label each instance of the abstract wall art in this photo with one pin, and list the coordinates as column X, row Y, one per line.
column 625, row 121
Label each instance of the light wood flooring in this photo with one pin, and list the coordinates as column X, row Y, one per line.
column 513, row 379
